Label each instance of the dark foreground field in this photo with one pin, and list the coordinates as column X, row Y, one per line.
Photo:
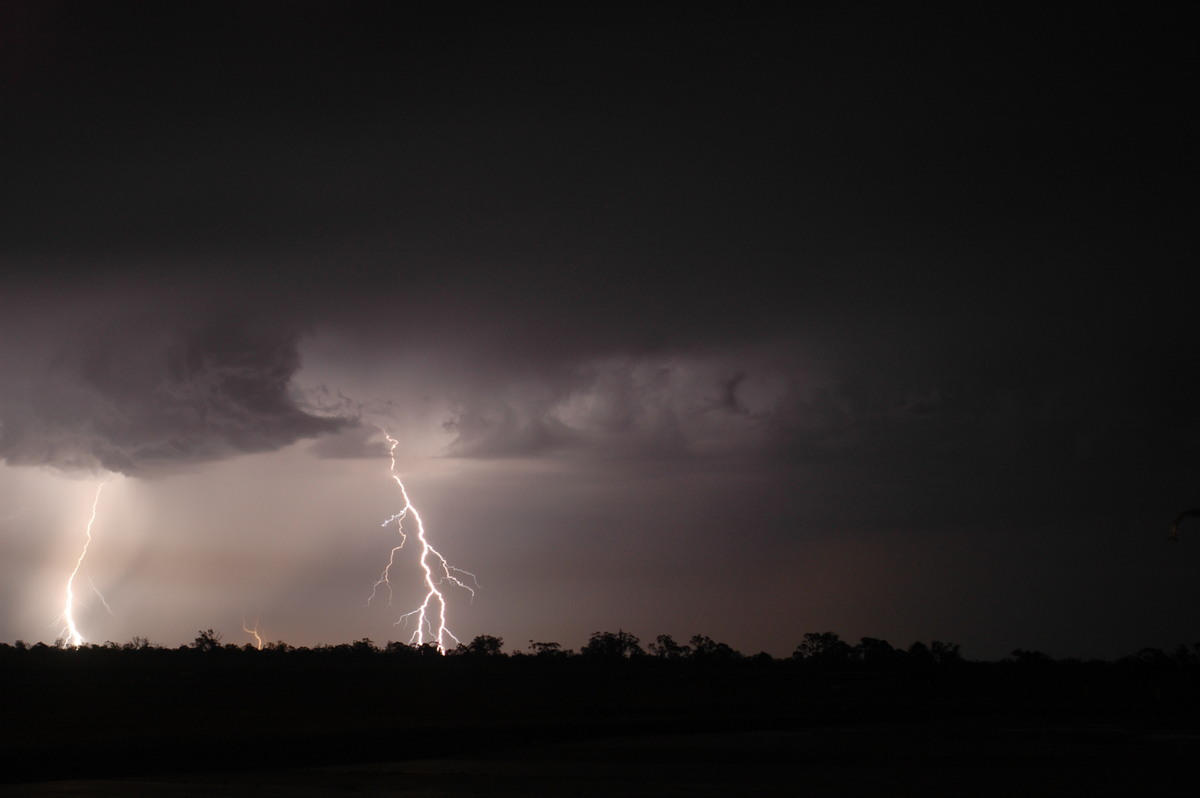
column 181, row 723
column 861, row 759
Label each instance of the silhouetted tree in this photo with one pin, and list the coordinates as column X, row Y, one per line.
column 428, row 651
column 1152, row 655
column 548, row 650
column 207, row 640
column 876, row 653
column 612, row 646
column 919, row 655
column 1184, row 656
column 1031, row 657
column 824, row 650
column 482, row 646
column 945, row 653
column 665, row 647
column 396, row 648
column 705, row 649
column 364, row 646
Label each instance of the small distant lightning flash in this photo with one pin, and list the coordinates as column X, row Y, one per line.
column 1179, row 519
column 438, row 572
column 253, row 630
column 71, row 631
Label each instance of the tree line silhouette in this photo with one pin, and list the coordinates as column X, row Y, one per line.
column 817, row 651
column 134, row 707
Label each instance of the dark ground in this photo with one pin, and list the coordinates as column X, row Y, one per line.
column 986, row 758
column 184, row 723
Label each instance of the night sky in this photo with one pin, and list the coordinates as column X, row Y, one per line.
column 691, row 318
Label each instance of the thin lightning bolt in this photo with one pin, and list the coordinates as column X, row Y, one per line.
column 100, row 596
column 253, row 630
column 437, row 571
column 71, row 632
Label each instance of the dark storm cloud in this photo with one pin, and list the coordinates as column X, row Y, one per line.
column 664, row 406
column 575, row 208
column 352, row 442
column 144, row 388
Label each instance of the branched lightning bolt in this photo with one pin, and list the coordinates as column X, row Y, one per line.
column 71, row 631
column 437, row 571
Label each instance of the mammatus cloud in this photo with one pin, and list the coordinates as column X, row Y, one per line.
column 139, row 399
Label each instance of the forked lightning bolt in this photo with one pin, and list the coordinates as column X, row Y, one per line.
column 71, row 632
column 436, row 569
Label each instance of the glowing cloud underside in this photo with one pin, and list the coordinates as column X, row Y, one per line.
column 430, row 617
column 70, row 632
